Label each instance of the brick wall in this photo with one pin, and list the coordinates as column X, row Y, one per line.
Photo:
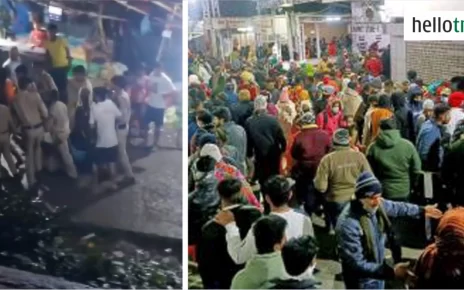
column 435, row 59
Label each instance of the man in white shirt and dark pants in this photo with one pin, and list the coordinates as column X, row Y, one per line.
column 159, row 87
column 122, row 100
column 103, row 115
column 277, row 191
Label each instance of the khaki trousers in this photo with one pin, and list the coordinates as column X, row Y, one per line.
column 68, row 162
column 123, row 158
column 33, row 140
column 5, row 149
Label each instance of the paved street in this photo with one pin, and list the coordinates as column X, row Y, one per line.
column 151, row 206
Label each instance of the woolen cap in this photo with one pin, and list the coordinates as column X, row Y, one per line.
column 341, row 137
column 367, row 185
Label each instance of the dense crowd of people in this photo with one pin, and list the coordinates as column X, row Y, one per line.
column 272, row 149
column 46, row 115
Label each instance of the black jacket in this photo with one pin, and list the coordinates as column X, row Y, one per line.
column 295, row 284
column 203, row 205
column 215, row 265
column 404, row 117
column 265, row 136
column 241, row 112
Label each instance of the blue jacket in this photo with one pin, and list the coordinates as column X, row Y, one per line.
column 192, row 127
column 232, row 98
column 358, row 272
column 428, row 145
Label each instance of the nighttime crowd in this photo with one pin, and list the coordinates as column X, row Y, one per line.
column 50, row 120
column 272, row 149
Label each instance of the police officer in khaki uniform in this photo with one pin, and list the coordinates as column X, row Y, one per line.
column 30, row 112
column 44, row 81
column 6, row 129
column 122, row 100
column 58, row 126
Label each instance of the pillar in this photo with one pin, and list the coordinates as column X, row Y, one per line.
column 289, row 34
column 303, row 41
column 318, row 38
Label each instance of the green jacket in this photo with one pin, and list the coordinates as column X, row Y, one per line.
column 260, row 271
column 395, row 162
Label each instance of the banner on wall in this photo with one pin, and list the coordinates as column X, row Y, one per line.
column 365, row 34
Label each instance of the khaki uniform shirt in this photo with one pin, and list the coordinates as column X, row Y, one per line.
column 58, row 123
column 45, row 83
column 125, row 108
column 74, row 89
column 29, row 108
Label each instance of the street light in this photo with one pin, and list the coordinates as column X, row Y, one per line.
column 334, row 18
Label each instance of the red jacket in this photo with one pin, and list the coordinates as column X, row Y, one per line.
column 251, row 88
column 329, row 122
column 374, row 66
column 309, row 146
column 332, row 49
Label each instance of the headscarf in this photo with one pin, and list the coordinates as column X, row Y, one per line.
column 260, row 103
column 456, row 99
column 193, row 80
column 304, row 95
column 284, row 97
column 247, row 77
column 244, row 95
column 448, row 249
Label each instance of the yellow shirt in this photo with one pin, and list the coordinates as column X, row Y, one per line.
column 57, row 51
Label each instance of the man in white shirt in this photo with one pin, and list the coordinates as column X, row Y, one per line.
column 160, row 86
column 12, row 63
column 104, row 114
column 277, row 191
column 122, row 100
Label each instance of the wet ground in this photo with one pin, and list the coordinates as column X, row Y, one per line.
column 144, row 216
column 153, row 205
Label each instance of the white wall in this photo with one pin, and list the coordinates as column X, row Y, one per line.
column 280, row 25
column 396, row 8
column 397, row 51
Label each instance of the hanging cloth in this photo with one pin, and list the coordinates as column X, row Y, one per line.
column 145, row 25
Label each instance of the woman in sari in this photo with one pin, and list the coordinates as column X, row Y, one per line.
column 287, row 112
column 287, row 161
